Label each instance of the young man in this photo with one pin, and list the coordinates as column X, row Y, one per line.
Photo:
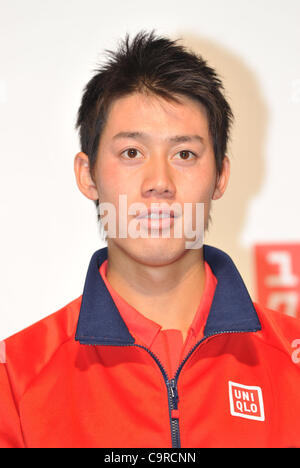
column 164, row 348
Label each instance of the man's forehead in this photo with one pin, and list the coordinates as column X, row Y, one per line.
column 133, row 116
column 141, row 101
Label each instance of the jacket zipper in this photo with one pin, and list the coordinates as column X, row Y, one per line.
column 174, row 421
column 172, row 398
column 171, row 384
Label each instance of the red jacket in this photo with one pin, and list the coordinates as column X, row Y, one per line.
column 70, row 382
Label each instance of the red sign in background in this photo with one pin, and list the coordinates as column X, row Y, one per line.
column 277, row 270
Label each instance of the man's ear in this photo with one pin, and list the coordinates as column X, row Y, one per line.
column 222, row 179
column 84, row 179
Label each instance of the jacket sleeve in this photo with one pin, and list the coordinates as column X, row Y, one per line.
column 10, row 427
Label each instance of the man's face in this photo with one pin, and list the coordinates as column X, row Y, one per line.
column 156, row 151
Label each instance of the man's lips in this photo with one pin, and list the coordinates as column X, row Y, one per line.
column 157, row 214
column 157, row 218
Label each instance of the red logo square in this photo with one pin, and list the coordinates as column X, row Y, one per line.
column 278, row 277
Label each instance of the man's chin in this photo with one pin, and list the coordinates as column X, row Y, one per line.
column 150, row 251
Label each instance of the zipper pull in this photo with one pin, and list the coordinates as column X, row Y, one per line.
column 174, row 394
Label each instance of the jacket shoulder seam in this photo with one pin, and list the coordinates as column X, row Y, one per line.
column 44, row 366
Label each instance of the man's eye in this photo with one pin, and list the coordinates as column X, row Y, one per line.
column 131, row 153
column 185, row 155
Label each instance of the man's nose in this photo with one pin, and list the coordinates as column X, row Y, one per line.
column 158, row 180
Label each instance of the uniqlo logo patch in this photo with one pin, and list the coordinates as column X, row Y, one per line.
column 246, row 401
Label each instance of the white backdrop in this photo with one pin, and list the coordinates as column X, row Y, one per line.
column 49, row 50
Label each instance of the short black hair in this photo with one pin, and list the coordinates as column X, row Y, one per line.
column 153, row 64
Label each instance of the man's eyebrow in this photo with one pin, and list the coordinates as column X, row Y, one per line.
column 129, row 135
column 173, row 139
column 186, row 138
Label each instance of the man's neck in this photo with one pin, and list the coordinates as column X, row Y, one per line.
column 167, row 294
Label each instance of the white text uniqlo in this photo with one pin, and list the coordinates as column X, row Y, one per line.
column 246, row 401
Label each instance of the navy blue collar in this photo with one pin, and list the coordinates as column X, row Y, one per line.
column 100, row 322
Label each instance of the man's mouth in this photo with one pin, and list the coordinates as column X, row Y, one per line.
column 154, row 213
column 157, row 218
